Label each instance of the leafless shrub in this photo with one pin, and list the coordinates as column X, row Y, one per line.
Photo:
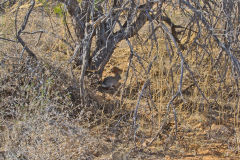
column 188, row 58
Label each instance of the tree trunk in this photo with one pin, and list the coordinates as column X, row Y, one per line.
column 88, row 16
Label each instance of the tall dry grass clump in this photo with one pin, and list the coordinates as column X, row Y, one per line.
column 169, row 105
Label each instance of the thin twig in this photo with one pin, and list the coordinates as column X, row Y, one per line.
column 23, row 26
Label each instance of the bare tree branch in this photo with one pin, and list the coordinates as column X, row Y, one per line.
column 30, row 53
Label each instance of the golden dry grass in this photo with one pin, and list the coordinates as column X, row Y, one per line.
column 39, row 123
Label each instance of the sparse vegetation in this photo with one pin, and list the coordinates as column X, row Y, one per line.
column 179, row 92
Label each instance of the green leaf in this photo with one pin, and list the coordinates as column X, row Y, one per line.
column 58, row 10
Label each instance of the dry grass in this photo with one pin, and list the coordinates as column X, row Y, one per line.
column 41, row 118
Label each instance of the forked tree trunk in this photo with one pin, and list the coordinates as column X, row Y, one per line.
column 91, row 16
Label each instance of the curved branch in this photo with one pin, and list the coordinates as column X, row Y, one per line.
column 129, row 31
column 30, row 53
